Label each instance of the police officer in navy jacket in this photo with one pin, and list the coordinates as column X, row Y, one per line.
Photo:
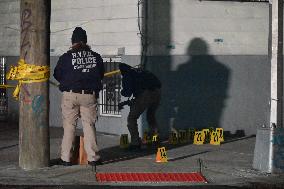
column 79, row 72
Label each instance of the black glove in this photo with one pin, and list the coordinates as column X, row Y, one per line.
column 121, row 104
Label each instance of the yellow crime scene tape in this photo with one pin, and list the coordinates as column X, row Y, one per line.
column 26, row 73
column 108, row 74
column 29, row 73
column 6, row 86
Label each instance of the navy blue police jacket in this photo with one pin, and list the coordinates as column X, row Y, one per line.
column 80, row 69
column 136, row 81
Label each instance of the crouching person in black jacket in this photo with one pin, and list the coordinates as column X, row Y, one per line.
column 146, row 90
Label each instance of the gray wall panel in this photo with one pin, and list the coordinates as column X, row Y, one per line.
column 231, row 92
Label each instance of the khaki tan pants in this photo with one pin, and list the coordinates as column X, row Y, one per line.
column 75, row 105
column 149, row 100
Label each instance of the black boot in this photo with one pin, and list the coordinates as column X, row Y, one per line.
column 65, row 163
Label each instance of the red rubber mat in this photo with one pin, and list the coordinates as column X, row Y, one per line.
column 150, row 177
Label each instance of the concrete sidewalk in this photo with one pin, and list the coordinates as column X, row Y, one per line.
column 225, row 166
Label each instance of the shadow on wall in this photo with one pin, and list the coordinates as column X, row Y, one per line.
column 194, row 94
column 200, row 89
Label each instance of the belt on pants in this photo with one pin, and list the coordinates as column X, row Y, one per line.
column 81, row 91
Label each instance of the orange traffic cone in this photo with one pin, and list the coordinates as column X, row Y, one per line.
column 75, row 151
column 79, row 155
column 161, row 156
column 82, row 153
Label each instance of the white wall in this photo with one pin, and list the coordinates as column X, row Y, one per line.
column 243, row 27
column 110, row 24
column 9, row 27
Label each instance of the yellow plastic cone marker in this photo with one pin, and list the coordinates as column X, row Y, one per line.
column 145, row 138
column 220, row 132
column 173, row 138
column 198, row 138
column 161, row 156
column 206, row 135
column 192, row 133
column 211, row 129
column 215, row 140
column 124, row 141
column 188, row 135
column 182, row 136
column 155, row 138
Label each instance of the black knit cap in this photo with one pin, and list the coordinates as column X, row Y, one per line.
column 124, row 68
column 79, row 35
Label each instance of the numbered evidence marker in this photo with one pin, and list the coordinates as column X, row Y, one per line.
column 190, row 134
column 182, row 136
column 155, row 139
column 206, row 135
column 173, row 139
column 220, row 132
column 198, row 138
column 124, row 141
column 161, row 156
column 146, row 138
column 215, row 140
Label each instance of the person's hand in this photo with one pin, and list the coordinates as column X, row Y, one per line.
column 121, row 104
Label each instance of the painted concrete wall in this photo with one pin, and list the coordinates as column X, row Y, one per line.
column 226, row 86
column 231, row 92
column 110, row 24
column 10, row 27
column 212, row 59
column 229, row 28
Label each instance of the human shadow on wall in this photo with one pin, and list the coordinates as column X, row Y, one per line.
column 200, row 89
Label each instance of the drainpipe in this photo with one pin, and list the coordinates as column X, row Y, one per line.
column 269, row 146
column 3, row 93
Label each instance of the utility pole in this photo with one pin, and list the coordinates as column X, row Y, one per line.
column 34, row 149
column 269, row 147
